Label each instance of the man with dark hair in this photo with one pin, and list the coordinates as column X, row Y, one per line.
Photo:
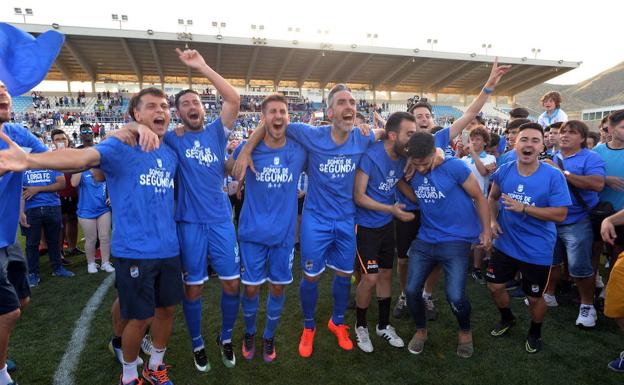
column 526, row 198
column 14, row 288
column 454, row 216
column 518, row 113
column 584, row 172
column 148, row 279
column 612, row 153
column 380, row 168
column 86, row 134
column 328, row 220
column 510, row 133
column 267, row 225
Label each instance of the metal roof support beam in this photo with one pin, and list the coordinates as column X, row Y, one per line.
column 159, row 67
column 332, row 74
column 392, row 70
column 285, row 63
column 133, row 62
column 537, row 72
column 252, row 65
column 63, row 69
column 408, row 73
column 529, row 82
column 308, row 70
column 358, row 68
column 450, row 77
column 81, row 60
column 511, row 75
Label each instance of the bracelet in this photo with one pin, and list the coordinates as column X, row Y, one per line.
column 487, row 90
column 524, row 209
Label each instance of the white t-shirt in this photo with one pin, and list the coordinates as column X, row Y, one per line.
column 484, row 181
column 558, row 116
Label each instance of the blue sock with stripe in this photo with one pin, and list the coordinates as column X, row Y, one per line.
column 193, row 316
column 275, row 305
column 340, row 291
column 308, row 292
column 229, row 313
column 250, row 311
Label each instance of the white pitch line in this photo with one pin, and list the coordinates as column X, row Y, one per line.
column 65, row 372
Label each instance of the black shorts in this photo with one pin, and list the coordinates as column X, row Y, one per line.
column 13, row 278
column 406, row 233
column 146, row 284
column 503, row 268
column 375, row 247
column 300, row 204
column 69, row 206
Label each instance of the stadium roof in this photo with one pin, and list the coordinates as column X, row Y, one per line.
column 116, row 55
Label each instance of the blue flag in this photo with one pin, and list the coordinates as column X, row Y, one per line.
column 24, row 59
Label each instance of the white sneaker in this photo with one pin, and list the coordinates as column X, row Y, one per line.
column 146, row 345
column 551, row 300
column 390, row 335
column 599, row 282
column 363, row 339
column 107, row 267
column 587, row 316
column 92, row 268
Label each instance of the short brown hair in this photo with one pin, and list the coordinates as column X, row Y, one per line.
column 554, row 95
column 335, row 89
column 135, row 100
column 579, row 127
column 273, row 98
column 482, row 132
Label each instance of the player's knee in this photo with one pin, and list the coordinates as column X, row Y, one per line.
column 193, row 292
column 164, row 312
column 251, row 291
column 9, row 319
column 311, row 278
column 276, row 290
column 343, row 274
column 230, row 286
column 369, row 279
column 24, row 302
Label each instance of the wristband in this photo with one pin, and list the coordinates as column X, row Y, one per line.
column 488, row 90
column 524, row 209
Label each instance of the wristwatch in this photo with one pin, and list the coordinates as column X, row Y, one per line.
column 566, row 172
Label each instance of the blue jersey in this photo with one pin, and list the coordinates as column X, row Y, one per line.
column 447, row 211
column 92, row 194
column 331, row 168
column 40, row 178
column 614, row 166
column 525, row 237
column 200, row 195
column 140, row 185
column 507, row 157
column 584, row 162
column 383, row 175
column 269, row 211
column 443, row 141
column 11, row 182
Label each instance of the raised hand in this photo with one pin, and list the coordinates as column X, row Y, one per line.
column 191, row 58
column 496, row 73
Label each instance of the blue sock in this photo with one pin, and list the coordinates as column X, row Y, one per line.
column 193, row 317
column 250, row 311
column 275, row 305
column 308, row 292
column 340, row 291
column 229, row 313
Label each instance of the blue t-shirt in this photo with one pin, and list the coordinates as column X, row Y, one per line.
column 584, row 162
column 447, row 211
column 443, row 141
column 331, row 168
column 11, row 182
column 383, row 175
column 38, row 178
column 140, row 185
column 269, row 211
column 525, row 237
column 507, row 157
column 502, row 144
column 92, row 197
column 614, row 166
column 200, row 195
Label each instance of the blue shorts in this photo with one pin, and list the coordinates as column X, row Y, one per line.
column 199, row 241
column 261, row 263
column 146, row 284
column 576, row 241
column 326, row 242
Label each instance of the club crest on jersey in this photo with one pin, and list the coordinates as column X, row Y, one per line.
column 520, row 188
column 159, row 163
column 276, row 161
column 196, row 143
column 391, row 173
column 425, row 180
column 134, row 271
column 309, row 264
column 535, row 288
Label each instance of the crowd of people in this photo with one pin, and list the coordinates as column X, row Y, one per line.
column 533, row 207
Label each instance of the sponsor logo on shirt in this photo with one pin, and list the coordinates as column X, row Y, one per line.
column 275, row 175
column 521, row 196
column 157, row 177
column 389, row 183
column 337, row 166
column 203, row 155
column 428, row 193
column 38, row 177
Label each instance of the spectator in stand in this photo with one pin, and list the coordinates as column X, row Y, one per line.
column 69, row 204
column 553, row 113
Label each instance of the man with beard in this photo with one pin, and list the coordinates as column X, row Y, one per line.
column 527, row 197
column 148, row 274
column 379, row 170
column 328, row 220
column 14, row 288
column 267, row 224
